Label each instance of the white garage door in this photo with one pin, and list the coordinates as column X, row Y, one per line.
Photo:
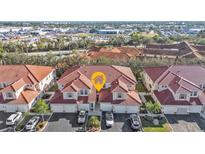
column 132, row 109
column 182, row 110
column 70, row 108
column 106, row 107
column 119, row 108
column 83, row 107
column 57, row 108
column 64, row 108
column 125, row 109
column 11, row 108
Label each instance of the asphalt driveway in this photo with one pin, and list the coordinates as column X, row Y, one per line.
column 3, row 126
column 121, row 123
column 63, row 122
column 186, row 123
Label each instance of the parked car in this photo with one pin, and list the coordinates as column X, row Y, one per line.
column 135, row 124
column 109, row 119
column 14, row 118
column 82, row 117
column 31, row 124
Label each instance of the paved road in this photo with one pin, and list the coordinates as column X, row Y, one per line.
column 186, row 123
column 3, row 117
column 63, row 52
column 63, row 122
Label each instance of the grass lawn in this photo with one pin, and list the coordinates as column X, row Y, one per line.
column 140, row 87
column 148, row 126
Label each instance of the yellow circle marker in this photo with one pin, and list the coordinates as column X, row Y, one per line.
column 98, row 79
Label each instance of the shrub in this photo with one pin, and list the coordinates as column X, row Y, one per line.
column 41, row 107
column 94, row 122
column 153, row 107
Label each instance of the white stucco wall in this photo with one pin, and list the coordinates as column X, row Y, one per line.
column 47, row 80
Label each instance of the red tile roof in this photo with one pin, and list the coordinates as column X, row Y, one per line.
column 165, row 97
column 118, row 76
column 24, row 98
column 18, row 76
column 155, row 72
column 114, row 53
column 30, row 73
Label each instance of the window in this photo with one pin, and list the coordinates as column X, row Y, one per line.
column 194, row 93
column 83, row 92
column 202, row 86
column 69, row 95
column 182, row 96
column 119, row 95
column 9, row 95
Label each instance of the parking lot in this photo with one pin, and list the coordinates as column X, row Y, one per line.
column 3, row 126
column 186, row 123
column 63, row 122
column 67, row 122
column 121, row 123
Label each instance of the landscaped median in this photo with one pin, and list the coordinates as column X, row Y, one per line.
column 155, row 124
column 152, row 118
column 40, row 109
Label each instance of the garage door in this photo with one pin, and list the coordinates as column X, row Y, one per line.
column 182, row 110
column 83, row 107
column 57, row 108
column 70, row 108
column 64, row 108
column 11, row 108
column 106, row 107
column 132, row 109
column 119, row 108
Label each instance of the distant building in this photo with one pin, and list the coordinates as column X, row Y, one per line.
column 108, row 31
column 123, row 53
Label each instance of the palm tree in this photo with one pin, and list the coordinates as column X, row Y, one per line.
column 41, row 107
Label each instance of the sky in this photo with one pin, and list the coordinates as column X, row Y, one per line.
column 102, row 10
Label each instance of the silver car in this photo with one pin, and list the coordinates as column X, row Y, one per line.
column 82, row 117
column 135, row 124
column 32, row 123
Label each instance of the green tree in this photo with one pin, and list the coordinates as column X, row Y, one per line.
column 41, row 107
column 1, row 52
column 137, row 38
column 153, row 107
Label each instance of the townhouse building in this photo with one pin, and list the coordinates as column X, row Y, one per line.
column 179, row 88
column 22, row 85
column 76, row 91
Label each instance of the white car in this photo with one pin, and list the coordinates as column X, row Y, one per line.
column 32, row 123
column 82, row 117
column 109, row 119
column 14, row 118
